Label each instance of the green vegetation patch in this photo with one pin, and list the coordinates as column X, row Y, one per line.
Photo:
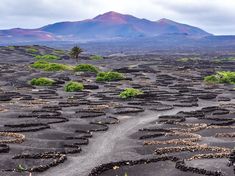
column 96, row 57
column 59, row 52
column 40, row 64
column 46, row 57
column 226, row 77
column 86, row 68
column 130, row 92
column 32, row 50
column 21, row 168
column 42, row 81
column 229, row 59
column 57, row 67
column 109, row 76
column 11, row 47
column 184, row 59
column 47, row 66
column 73, row 86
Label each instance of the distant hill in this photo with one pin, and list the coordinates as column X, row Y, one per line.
column 111, row 25
column 25, row 35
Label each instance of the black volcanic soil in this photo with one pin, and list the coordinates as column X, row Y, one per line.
column 180, row 126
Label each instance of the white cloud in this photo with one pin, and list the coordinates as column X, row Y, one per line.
column 215, row 16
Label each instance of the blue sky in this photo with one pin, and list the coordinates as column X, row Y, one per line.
column 214, row 16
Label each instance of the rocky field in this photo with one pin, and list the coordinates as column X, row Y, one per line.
column 178, row 125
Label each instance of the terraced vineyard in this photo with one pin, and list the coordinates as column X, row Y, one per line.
column 174, row 124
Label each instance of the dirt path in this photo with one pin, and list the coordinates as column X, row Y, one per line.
column 112, row 145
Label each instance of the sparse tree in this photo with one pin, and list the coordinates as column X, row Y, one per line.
column 75, row 52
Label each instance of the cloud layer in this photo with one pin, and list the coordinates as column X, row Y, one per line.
column 214, row 16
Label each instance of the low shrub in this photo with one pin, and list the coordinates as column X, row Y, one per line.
column 21, row 168
column 229, row 59
column 11, row 47
column 47, row 66
column 40, row 64
column 211, row 79
column 32, row 50
column 226, row 77
column 59, row 52
column 130, row 92
column 57, row 67
column 184, row 59
column 42, row 81
column 86, row 68
column 109, row 76
column 73, row 86
column 46, row 57
column 96, row 57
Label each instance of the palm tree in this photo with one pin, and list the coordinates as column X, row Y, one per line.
column 75, row 52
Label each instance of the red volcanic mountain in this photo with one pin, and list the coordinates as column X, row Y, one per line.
column 110, row 25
